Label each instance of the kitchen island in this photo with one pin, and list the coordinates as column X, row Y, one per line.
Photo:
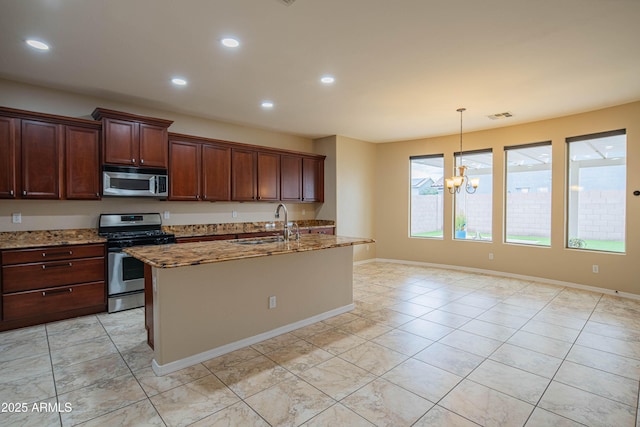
column 206, row 299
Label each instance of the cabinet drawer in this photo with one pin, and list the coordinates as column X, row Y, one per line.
column 25, row 277
column 22, row 256
column 53, row 300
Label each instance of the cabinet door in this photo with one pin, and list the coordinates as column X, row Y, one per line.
column 184, row 171
column 8, row 161
column 312, row 180
column 120, row 142
column 40, row 160
column 153, row 146
column 291, row 178
column 243, row 174
column 82, row 155
column 268, row 176
column 216, row 173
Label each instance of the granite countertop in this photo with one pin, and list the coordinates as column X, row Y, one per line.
column 198, row 230
column 185, row 254
column 36, row 238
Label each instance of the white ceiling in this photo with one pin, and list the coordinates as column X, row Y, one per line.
column 402, row 67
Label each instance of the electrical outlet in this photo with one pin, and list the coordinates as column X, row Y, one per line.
column 16, row 218
column 490, row 255
column 234, row 214
column 595, row 268
column 167, row 214
column 272, row 302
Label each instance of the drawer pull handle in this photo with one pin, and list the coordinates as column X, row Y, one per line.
column 66, row 264
column 45, row 254
column 57, row 292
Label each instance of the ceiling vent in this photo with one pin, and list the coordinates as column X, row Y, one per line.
column 500, row 116
column 287, row 2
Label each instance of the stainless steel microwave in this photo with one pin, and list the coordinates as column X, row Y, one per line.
column 134, row 182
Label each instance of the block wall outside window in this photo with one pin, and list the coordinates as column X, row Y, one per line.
column 426, row 186
column 596, row 205
column 473, row 212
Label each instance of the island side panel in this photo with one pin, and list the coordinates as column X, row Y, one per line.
column 203, row 307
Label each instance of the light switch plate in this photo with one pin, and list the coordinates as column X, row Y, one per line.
column 16, row 218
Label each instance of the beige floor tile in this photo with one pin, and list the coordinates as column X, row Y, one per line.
column 389, row 317
column 611, row 345
column 25, row 367
column 560, row 320
column 439, row 416
column 335, row 341
column 450, row 359
column 364, row 328
column 83, row 351
column 337, row 415
column 30, row 334
column 340, row 319
column 612, row 331
column 605, row 361
column 31, row 418
column 231, row 359
column 312, row 329
column 509, row 380
column 27, row 389
column 299, row 356
column 138, row 357
column 541, row 344
column 373, row 357
column 611, row 386
column 503, row 319
column 471, row 343
column 83, row 374
column 139, row 414
column 384, row 403
column 476, row 300
column 423, row 379
column 194, row 401
column 463, row 309
column 514, row 310
column 289, row 403
column 485, row 406
column 445, row 318
column 275, row 343
column 527, row 301
column 337, row 377
column 527, row 360
column 403, row 342
column 543, row 418
column 153, row 384
column 426, row 329
column 586, row 408
column 429, row 301
column 130, row 339
column 16, row 349
column 254, row 375
column 100, row 398
column 238, row 414
column 552, row 331
column 489, row 330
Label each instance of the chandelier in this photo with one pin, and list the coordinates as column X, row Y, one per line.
column 456, row 182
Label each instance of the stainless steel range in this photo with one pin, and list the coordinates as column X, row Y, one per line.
column 126, row 274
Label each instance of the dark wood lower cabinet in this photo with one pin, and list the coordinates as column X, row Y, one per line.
column 52, row 283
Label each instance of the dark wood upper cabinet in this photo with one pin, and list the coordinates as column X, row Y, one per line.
column 133, row 140
column 290, row 178
column 82, row 156
column 243, row 174
column 184, row 170
column 9, row 143
column 268, row 176
column 40, row 143
column 312, row 179
column 216, row 172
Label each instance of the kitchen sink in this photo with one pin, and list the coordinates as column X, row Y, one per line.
column 260, row 241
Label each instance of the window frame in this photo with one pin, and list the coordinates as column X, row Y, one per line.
column 411, row 159
column 464, row 154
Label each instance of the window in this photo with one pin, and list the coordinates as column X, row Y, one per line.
column 528, row 198
column 426, row 196
column 473, row 212
column 597, row 191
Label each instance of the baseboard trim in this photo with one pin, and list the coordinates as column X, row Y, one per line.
column 176, row 365
column 510, row 275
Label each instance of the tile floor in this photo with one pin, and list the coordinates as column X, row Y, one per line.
column 424, row 347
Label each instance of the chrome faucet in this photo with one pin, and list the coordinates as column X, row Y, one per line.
column 286, row 221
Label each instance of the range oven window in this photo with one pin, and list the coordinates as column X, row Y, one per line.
column 132, row 269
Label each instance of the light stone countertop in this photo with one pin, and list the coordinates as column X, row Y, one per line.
column 186, row 254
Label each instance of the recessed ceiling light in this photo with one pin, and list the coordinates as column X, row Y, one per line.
column 230, row 42
column 179, row 81
column 37, row 44
column 267, row 104
column 327, row 80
